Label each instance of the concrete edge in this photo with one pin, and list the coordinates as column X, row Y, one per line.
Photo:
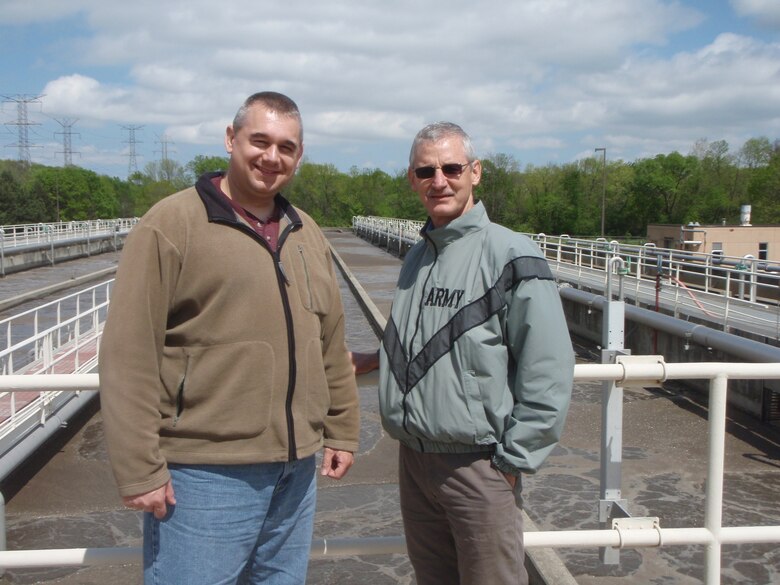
column 374, row 316
column 544, row 566
column 53, row 288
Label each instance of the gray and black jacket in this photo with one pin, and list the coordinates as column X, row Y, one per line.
column 476, row 355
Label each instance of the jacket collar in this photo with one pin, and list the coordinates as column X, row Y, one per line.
column 474, row 220
column 219, row 210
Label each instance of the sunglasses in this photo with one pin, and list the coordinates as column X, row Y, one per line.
column 452, row 170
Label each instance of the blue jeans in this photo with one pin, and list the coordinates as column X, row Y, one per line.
column 246, row 524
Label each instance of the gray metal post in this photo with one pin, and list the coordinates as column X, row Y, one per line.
column 611, row 505
column 3, row 542
column 751, row 267
column 2, row 252
column 50, row 230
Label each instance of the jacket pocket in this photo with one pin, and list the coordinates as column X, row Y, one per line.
column 313, row 278
column 450, row 411
column 475, row 402
column 225, row 391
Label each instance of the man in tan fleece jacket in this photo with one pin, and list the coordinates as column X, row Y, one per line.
column 223, row 367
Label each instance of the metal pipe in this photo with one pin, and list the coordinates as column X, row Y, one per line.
column 27, row 383
column 32, row 442
column 739, row 347
column 621, row 372
column 637, row 538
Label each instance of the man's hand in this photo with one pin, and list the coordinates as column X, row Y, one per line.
column 335, row 463
column 364, row 362
column 156, row 501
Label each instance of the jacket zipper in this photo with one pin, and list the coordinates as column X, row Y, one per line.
column 411, row 341
column 282, row 281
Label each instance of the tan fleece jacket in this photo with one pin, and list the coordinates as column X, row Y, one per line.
column 217, row 351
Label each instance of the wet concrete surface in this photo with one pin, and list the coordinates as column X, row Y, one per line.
column 664, row 469
column 20, row 283
column 71, row 500
column 67, row 498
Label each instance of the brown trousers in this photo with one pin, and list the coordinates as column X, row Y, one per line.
column 462, row 520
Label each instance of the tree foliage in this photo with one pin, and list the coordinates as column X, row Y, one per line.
column 707, row 185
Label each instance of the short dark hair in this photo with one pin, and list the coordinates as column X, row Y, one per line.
column 272, row 100
column 438, row 130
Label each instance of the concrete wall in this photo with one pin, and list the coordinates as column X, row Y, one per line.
column 18, row 259
column 735, row 240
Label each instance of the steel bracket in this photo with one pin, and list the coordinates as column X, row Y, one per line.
column 639, row 523
column 642, row 360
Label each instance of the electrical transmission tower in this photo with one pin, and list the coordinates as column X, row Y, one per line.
column 167, row 167
column 164, row 141
column 22, row 123
column 67, row 144
column 132, row 164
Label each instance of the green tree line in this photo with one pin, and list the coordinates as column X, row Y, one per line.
column 708, row 185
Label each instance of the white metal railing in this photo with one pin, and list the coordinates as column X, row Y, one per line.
column 729, row 292
column 625, row 533
column 12, row 236
column 60, row 336
column 18, row 238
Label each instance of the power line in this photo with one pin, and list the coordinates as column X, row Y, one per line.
column 22, row 123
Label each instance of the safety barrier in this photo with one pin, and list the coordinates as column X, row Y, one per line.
column 27, row 234
column 625, row 532
column 60, row 336
column 723, row 291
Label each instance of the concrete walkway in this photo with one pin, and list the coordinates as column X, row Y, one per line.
column 664, row 466
column 71, row 501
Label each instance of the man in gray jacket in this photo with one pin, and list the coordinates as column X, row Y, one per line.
column 476, row 371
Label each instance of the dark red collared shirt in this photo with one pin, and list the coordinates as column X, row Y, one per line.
column 267, row 229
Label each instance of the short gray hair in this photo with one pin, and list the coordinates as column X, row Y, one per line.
column 277, row 102
column 438, row 130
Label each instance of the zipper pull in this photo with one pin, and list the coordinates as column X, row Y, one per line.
column 283, row 273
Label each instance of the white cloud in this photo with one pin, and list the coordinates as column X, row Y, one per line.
column 765, row 12
column 24, row 12
column 540, row 75
column 78, row 95
column 723, row 86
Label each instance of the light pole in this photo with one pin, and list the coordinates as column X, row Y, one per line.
column 603, row 186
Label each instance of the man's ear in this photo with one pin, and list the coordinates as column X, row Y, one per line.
column 229, row 137
column 476, row 172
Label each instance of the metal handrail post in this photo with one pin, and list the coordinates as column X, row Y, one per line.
column 3, row 537
column 2, row 252
column 713, row 513
column 50, row 230
column 751, row 276
column 611, row 503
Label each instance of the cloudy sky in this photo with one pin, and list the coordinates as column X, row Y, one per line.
column 545, row 81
